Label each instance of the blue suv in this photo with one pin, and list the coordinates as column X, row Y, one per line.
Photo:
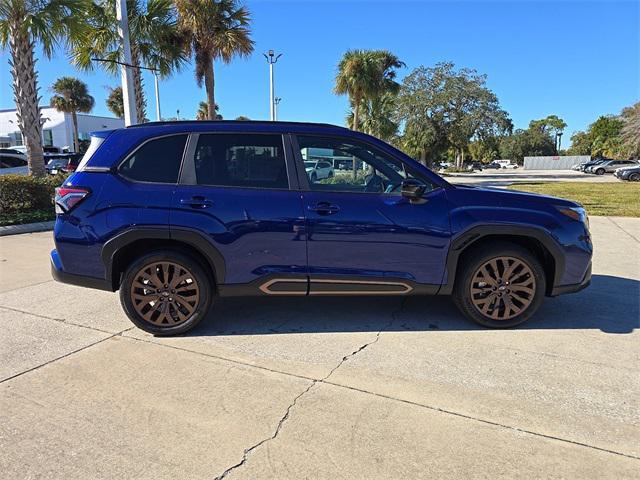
column 176, row 214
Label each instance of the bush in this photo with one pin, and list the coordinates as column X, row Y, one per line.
column 24, row 199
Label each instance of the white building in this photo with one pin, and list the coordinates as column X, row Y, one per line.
column 57, row 129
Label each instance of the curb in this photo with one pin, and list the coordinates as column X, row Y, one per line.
column 26, row 228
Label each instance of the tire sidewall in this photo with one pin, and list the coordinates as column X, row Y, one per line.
column 205, row 288
column 462, row 296
column 600, row 171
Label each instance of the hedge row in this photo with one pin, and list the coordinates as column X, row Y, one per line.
column 24, row 198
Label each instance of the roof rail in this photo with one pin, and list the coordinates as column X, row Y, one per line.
column 235, row 122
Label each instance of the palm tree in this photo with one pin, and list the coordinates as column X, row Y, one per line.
column 215, row 30
column 364, row 75
column 631, row 130
column 115, row 103
column 72, row 96
column 377, row 116
column 23, row 24
column 155, row 42
column 203, row 112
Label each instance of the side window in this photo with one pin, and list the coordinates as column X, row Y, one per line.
column 241, row 160
column 374, row 172
column 11, row 162
column 156, row 161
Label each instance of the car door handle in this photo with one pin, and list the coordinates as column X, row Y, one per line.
column 324, row 208
column 196, row 201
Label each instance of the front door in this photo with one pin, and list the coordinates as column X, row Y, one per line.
column 234, row 190
column 362, row 235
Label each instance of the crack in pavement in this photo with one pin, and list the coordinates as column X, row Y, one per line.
column 284, row 418
column 620, row 227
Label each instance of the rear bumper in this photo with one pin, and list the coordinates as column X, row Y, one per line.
column 60, row 275
column 573, row 288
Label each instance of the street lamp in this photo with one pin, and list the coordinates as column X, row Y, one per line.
column 559, row 140
column 128, row 93
column 276, row 102
column 272, row 58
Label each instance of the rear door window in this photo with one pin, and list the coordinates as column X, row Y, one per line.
column 157, row 160
column 241, row 160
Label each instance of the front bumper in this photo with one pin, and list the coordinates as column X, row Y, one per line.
column 60, row 275
column 573, row 288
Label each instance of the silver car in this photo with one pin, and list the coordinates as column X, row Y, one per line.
column 610, row 166
column 318, row 169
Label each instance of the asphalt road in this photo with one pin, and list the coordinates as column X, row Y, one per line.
column 501, row 178
column 290, row 388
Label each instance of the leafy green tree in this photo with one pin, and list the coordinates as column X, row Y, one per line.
column 72, row 96
column 441, row 108
column 214, row 30
column 523, row 143
column 605, row 136
column 23, row 25
column 631, row 131
column 552, row 125
column 155, row 41
column 242, row 118
column 115, row 103
column 580, row 144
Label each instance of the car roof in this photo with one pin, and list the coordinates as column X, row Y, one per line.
column 243, row 125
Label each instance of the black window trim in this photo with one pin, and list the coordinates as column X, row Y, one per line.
column 140, row 145
column 303, row 180
column 188, row 171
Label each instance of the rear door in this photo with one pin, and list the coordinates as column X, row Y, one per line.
column 239, row 191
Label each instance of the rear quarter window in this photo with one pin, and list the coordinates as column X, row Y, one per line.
column 157, row 160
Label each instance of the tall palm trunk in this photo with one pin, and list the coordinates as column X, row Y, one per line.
column 76, row 143
column 25, row 93
column 141, row 102
column 356, row 125
column 209, row 84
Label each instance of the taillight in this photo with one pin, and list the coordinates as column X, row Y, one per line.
column 69, row 167
column 69, row 197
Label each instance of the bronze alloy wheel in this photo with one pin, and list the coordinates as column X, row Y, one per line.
column 502, row 288
column 165, row 294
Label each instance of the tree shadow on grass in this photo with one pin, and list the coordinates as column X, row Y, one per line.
column 611, row 304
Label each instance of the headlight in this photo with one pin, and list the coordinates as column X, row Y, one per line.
column 578, row 214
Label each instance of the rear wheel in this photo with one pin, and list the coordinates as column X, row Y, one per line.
column 634, row 177
column 166, row 293
column 314, row 178
column 600, row 171
column 500, row 286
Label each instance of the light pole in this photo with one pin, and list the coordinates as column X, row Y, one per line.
column 276, row 102
column 155, row 77
column 128, row 93
column 272, row 58
column 559, row 140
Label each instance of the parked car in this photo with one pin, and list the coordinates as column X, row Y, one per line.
column 492, row 166
column 176, row 214
column 318, row 169
column 475, row 166
column 13, row 164
column 13, row 151
column 609, row 166
column 631, row 173
column 62, row 163
column 586, row 165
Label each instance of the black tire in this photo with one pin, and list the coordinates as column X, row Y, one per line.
column 203, row 287
column 314, row 177
column 472, row 262
column 600, row 171
column 330, row 175
column 634, row 177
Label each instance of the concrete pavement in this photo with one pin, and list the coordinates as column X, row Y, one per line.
column 320, row 387
column 500, row 178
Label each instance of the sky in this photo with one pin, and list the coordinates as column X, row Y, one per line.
column 574, row 59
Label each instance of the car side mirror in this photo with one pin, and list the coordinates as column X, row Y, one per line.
column 413, row 189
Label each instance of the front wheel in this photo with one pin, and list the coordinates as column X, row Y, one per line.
column 600, row 171
column 166, row 292
column 634, row 177
column 500, row 286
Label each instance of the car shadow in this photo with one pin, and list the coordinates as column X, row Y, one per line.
column 611, row 304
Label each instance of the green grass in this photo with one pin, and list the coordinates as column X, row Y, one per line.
column 620, row 199
column 26, row 217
